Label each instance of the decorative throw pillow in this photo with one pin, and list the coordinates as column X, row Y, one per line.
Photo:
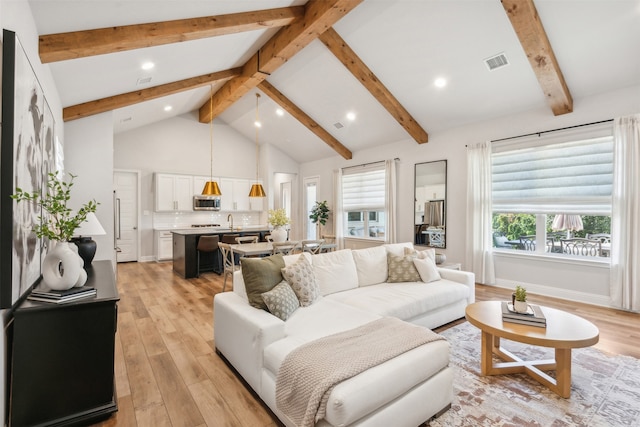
column 261, row 275
column 427, row 253
column 302, row 280
column 401, row 269
column 427, row 269
column 281, row 300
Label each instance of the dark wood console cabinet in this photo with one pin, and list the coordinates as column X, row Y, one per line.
column 62, row 360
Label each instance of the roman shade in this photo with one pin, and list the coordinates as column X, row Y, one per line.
column 563, row 177
column 363, row 188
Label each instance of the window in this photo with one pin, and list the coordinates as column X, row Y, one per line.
column 363, row 201
column 555, row 190
column 310, row 197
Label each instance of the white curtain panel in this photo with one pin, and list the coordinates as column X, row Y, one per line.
column 479, row 257
column 625, row 218
column 338, row 217
column 390, row 201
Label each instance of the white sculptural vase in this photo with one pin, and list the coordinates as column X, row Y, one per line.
column 62, row 267
column 279, row 234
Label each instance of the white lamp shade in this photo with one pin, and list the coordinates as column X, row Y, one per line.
column 91, row 227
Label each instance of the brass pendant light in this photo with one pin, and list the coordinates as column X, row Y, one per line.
column 256, row 189
column 211, row 187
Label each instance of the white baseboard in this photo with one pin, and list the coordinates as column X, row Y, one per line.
column 566, row 294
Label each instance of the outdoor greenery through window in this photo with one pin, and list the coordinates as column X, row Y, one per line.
column 552, row 194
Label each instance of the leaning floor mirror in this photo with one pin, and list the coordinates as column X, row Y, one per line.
column 430, row 204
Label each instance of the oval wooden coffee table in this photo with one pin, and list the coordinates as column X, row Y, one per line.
column 564, row 331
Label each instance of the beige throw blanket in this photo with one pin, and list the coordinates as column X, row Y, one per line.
column 311, row 371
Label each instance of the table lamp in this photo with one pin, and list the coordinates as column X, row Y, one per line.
column 86, row 245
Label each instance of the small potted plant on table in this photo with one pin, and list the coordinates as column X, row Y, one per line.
column 519, row 299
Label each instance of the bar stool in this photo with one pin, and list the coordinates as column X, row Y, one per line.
column 207, row 244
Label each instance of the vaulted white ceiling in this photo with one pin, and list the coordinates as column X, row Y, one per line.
column 406, row 43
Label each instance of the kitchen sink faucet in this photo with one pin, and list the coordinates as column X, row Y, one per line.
column 230, row 221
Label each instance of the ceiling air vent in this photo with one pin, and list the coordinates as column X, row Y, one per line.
column 143, row 80
column 497, row 61
column 338, row 125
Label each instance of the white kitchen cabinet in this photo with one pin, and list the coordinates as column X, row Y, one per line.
column 174, row 192
column 164, row 245
column 235, row 195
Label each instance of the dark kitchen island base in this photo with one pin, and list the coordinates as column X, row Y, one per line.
column 185, row 254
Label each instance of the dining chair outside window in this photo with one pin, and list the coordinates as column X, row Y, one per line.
column 228, row 262
column 528, row 243
column 312, row 246
column 247, row 239
column 206, row 244
column 580, row 246
column 601, row 237
column 286, row 248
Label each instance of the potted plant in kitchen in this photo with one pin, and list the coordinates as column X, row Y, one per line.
column 320, row 215
column 519, row 299
column 62, row 266
column 278, row 219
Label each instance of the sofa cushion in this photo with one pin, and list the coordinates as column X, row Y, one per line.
column 281, row 300
column 302, row 279
column 335, row 271
column 402, row 269
column 260, row 275
column 427, row 269
column 291, row 259
column 405, row 301
column 371, row 265
column 397, row 248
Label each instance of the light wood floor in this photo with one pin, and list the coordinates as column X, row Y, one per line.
column 168, row 374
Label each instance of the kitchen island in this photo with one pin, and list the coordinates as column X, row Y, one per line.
column 185, row 255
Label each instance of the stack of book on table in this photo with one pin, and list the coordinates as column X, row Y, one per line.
column 60, row 297
column 533, row 317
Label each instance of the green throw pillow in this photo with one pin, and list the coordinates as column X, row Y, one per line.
column 402, row 269
column 261, row 275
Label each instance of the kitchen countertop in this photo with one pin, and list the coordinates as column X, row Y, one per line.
column 214, row 230
column 208, row 229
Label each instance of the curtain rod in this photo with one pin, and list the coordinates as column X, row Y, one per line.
column 367, row 164
column 552, row 130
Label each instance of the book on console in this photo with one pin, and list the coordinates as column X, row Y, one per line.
column 533, row 316
column 56, row 294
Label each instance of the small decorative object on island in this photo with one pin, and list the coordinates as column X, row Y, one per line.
column 519, row 299
column 320, row 215
column 278, row 219
column 62, row 266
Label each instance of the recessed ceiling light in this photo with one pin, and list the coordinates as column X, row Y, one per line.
column 257, row 124
column 168, row 108
column 148, row 65
column 351, row 116
column 440, row 82
column 280, row 112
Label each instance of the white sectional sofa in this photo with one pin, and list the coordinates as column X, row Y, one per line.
column 407, row 390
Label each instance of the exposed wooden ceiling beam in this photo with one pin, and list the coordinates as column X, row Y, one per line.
column 527, row 25
column 360, row 71
column 79, row 44
column 118, row 101
column 303, row 118
column 319, row 15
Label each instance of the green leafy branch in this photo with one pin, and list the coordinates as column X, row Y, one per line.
column 320, row 213
column 61, row 223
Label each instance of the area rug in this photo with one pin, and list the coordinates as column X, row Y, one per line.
column 605, row 389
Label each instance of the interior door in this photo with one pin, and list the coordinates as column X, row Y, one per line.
column 126, row 215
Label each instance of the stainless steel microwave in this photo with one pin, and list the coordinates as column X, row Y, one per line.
column 206, row 203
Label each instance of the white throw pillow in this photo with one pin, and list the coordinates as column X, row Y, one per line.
column 291, row 259
column 371, row 265
column 302, row 280
column 427, row 269
column 335, row 271
column 427, row 253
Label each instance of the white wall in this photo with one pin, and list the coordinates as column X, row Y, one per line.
column 587, row 283
column 16, row 16
column 88, row 152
